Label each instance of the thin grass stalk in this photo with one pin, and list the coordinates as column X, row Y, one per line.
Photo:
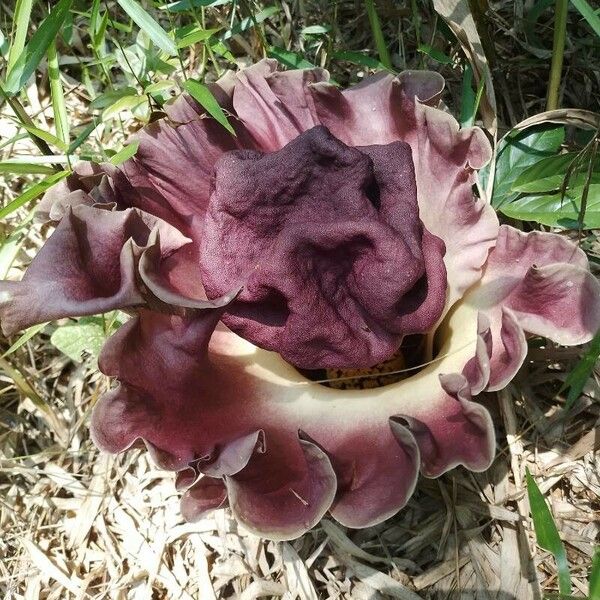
column 382, row 50
column 558, row 51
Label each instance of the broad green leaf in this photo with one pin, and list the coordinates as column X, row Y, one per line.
column 435, row 54
column 517, row 151
column 579, row 376
column 24, row 338
column 547, row 534
column 19, row 32
column 125, row 153
column 555, row 210
column 289, row 58
column 594, row 584
column 540, row 177
column 359, row 58
column 588, row 13
column 204, row 96
column 37, row 47
column 31, row 193
column 80, row 340
column 147, row 24
column 61, row 120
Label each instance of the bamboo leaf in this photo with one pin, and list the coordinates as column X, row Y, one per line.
column 547, row 533
column 204, row 96
column 147, row 24
column 61, row 120
column 578, row 377
column 30, row 57
column 31, row 193
column 588, row 13
column 19, row 33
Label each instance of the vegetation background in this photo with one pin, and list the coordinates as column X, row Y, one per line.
column 76, row 79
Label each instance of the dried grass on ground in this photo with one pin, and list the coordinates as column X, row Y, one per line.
column 78, row 524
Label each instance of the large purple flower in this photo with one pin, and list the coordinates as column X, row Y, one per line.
column 336, row 231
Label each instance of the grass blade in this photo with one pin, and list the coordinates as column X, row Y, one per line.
column 146, row 23
column 31, row 193
column 125, row 153
column 37, row 47
column 594, row 593
column 19, row 33
column 547, row 533
column 204, row 96
column 588, row 13
column 61, row 120
column 29, row 333
column 382, row 50
column 578, row 377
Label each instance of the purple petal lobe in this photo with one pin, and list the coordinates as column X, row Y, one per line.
column 328, row 244
column 87, row 266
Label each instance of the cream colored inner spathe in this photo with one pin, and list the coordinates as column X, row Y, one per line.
column 458, row 335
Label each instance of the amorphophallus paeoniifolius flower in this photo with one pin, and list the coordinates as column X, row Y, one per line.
column 338, row 230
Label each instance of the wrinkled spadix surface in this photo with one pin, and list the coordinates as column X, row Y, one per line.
column 332, row 225
column 327, row 243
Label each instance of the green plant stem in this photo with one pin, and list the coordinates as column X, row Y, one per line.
column 24, row 118
column 558, row 51
column 382, row 50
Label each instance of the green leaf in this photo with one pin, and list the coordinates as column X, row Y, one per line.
column 80, row 340
column 594, row 586
column 110, row 97
column 588, row 13
column 46, row 136
column 23, row 339
column 543, row 175
column 547, row 534
column 125, row 153
column 194, row 34
column 24, row 168
column 435, row 54
column 289, row 58
column 124, row 103
column 555, row 210
column 30, row 58
column 358, row 58
column 579, row 376
column 183, row 5
column 11, row 245
column 248, row 22
column 517, row 151
column 470, row 100
column 204, row 96
column 31, row 193
column 147, row 24
column 61, row 120
column 3, row 44
column 315, row 30
column 84, row 135
column 19, row 33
